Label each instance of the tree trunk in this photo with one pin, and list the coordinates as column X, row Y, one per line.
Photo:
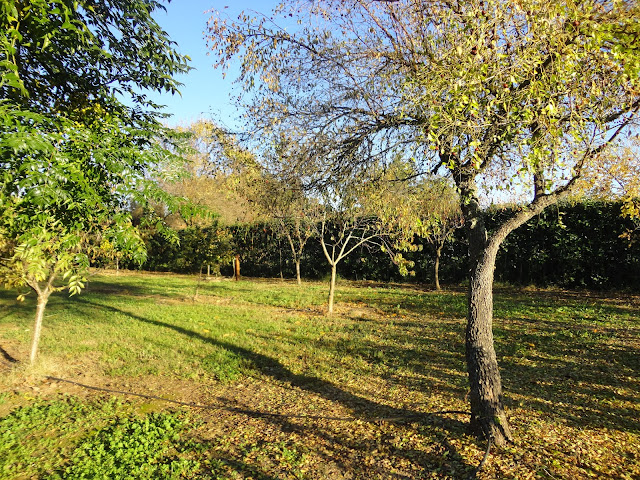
column 43, row 298
column 487, row 411
column 332, row 287
column 436, row 268
column 488, row 418
column 298, row 278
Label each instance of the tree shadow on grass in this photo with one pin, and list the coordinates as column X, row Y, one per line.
column 107, row 288
column 573, row 350
column 588, row 385
column 7, row 357
column 361, row 407
column 577, row 350
column 239, row 467
column 413, row 359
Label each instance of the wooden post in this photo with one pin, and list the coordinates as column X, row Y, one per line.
column 236, row 267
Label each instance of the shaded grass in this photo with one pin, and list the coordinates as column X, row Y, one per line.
column 569, row 362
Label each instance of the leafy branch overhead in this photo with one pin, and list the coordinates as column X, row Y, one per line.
column 519, row 89
column 73, row 153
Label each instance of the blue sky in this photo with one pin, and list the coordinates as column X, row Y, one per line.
column 205, row 93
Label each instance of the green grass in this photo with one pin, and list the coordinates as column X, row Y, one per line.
column 30, row 434
column 569, row 362
column 67, row 438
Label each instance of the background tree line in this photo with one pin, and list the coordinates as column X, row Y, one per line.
column 583, row 244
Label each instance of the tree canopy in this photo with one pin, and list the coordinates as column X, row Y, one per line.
column 78, row 133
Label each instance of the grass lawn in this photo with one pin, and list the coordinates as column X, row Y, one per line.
column 294, row 394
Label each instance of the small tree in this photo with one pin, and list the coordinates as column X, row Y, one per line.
column 294, row 214
column 369, row 212
column 440, row 216
column 71, row 154
column 279, row 194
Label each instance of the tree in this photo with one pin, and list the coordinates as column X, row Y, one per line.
column 364, row 212
column 294, row 214
column 215, row 168
column 440, row 216
column 201, row 246
column 617, row 176
column 343, row 229
column 529, row 93
column 278, row 194
column 72, row 153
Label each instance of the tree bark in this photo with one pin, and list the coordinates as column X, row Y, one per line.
column 332, row 287
column 488, row 417
column 43, row 298
column 297, row 255
column 436, row 268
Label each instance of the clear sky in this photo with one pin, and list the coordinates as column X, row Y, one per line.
column 205, row 94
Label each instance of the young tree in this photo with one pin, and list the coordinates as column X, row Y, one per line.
column 294, row 214
column 367, row 212
column 440, row 216
column 343, row 229
column 531, row 92
column 72, row 154
column 279, row 194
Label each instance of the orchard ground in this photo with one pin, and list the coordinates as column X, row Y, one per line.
column 294, row 394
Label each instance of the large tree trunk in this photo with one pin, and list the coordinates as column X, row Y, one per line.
column 332, row 287
column 43, row 298
column 488, row 418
